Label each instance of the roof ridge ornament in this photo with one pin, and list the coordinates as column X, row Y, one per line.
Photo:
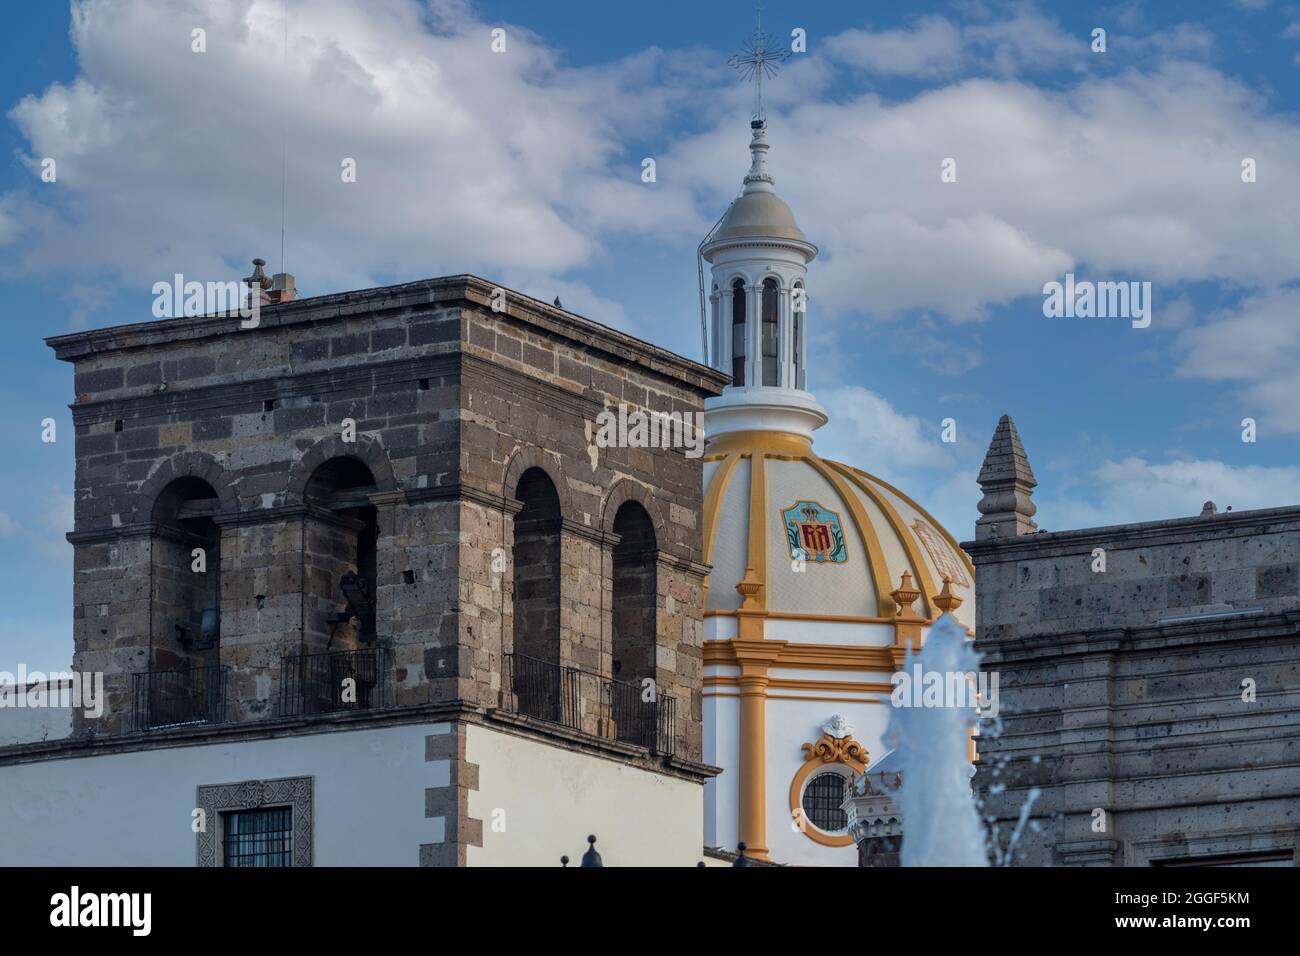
column 758, row 58
column 1007, row 482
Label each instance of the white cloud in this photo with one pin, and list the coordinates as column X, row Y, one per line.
column 1256, row 344
column 1133, row 489
column 934, row 47
column 866, row 431
column 1134, row 175
column 466, row 160
column 516, row 165
column 931, row 47
column 7, row 525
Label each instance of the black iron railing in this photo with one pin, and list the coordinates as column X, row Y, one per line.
column 340, row 680
column 581, row 700
column 544, row 690
column 172, row 698
column 641, row 716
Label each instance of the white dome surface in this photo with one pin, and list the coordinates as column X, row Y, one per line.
column 884, row 532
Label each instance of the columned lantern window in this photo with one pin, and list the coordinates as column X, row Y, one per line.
column 771, row 294
column 799, row 307
column 738, row 332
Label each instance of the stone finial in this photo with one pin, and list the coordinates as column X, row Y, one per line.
column 259, row 279
column 1007, row 482
column 905, row 596
column 749, row 588
column 945, row 600
column 1209, row 508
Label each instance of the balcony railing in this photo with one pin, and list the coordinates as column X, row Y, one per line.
column 341, row 680
column 581, row 700
column 173, row 698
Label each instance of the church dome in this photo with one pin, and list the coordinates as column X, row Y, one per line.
column 770, row 501
column 759, row 214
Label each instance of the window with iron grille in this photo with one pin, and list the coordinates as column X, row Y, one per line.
column 821, row 802
column 262, row 837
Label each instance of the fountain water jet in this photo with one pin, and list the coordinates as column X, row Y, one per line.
column 940, row 823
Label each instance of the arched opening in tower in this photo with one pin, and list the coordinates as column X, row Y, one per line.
column 635, row 624
column 771, row 296
column 635, row 586
column 738, row 350
column 186, row 580
column 340, row 544
column 536, row 675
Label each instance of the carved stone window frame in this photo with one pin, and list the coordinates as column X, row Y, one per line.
column 214, row 799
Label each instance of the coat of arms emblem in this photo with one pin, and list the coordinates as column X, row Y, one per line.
column 814, row 533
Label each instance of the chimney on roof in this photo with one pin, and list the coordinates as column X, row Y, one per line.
column 277, row 288
column 1007, row 482
column 283, row 288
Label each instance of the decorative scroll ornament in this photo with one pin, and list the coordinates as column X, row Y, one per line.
column 844, row 750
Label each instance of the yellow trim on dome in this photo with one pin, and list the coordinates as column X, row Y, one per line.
column 875, row 557
column 765, row 442
column 758, row 526
column 901, row 531
column 957, row 548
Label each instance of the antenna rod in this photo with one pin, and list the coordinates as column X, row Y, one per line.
column 284, row 134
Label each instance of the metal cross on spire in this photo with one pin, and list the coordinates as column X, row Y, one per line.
column 760, row 57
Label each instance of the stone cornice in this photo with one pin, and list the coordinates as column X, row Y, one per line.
column 139, row 529
column 577, row 528
column 443, row 291
column 599, row 337
column 685, row 565
column 1157, row 636
column 98, row 535
column 1045, row 544
column 453, row 491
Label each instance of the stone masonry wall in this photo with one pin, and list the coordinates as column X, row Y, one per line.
column 1155, row 705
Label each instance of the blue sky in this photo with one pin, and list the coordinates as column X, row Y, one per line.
column 926, row 300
